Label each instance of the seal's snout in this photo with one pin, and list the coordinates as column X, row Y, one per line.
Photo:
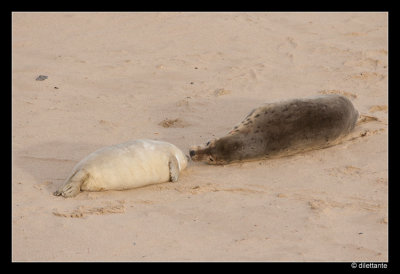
column 197, row 153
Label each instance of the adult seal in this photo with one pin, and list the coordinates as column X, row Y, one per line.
column 282, row 128
column 133, row 164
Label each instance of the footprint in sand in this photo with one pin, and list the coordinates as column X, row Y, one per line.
column 345, row 171
column 366, row 62
column 339, row 92
column 364, row 133
column 366, row 75
column 108, row 125
column 376, row 108
column 287, row 48
column 221, row 91
column 197, row 189
column 383, row 181
column 83, row 211
column 183, row 102
column 288, row 43
column 45, row 184
column 318, row 205
column 173, row 123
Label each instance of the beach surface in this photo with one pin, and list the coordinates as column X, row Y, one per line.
column 82, row 81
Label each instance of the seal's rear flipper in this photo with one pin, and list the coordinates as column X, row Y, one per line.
column 72, row 185
column 365, row 119
column 363, row 128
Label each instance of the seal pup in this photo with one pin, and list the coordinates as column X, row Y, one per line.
column 133, row 164
column 282, row 128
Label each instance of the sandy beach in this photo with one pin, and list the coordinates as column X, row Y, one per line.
column 185, row 78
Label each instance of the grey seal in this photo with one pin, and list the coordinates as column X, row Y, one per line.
column 282, row 128
column 124, row 166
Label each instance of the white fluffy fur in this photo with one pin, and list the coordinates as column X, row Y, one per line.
column 129, row 165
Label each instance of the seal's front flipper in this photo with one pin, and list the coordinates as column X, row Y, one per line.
column 173, row 169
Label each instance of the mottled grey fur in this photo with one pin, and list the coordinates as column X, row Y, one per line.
column 282, row 128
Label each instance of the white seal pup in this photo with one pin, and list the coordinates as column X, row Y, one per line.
column 133, row 164
column 282, row 128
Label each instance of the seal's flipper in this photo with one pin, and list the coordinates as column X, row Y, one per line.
column 173, row 169
column 72, row 185
column 366, row 119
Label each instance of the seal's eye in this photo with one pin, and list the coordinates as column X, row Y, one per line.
column 211, row 159
column 208, row 143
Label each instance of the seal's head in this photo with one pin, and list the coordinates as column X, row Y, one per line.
column 217, row 151
column 203, row 152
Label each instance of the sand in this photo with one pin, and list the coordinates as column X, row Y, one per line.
column 186, row 78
